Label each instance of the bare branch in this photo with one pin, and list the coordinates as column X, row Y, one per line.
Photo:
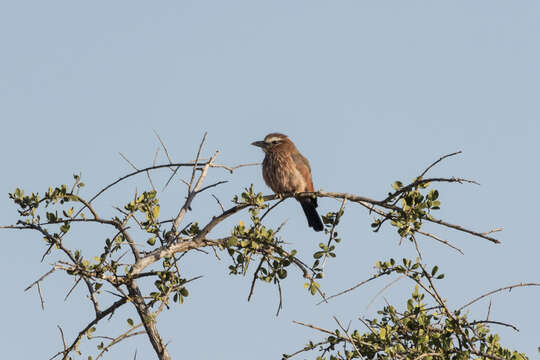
column 348, row 337
column 121, row 337
column 192, row 194
column 41, row 297
column 314, row 327
column 40, row 279
column 510, row 287
column 255, row 276
column 197, row 161
column 164, row 147
column 440, row 240
column 438, row 161
column 351, row 288
column 129, row 162
column 232, row 168
column 219, row 202
column 496, row 323
column 386, row 287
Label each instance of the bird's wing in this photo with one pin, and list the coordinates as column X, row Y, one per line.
column 301, row 161
column 302, row 164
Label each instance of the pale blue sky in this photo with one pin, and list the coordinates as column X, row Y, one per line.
column 370, row 92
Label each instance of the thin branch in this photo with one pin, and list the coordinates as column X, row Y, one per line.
column 40, row 279
column 307, row 348
column 332, row 231
column 73, row 288
column 280, row 305
column 386, row 287
column 496, row 323
column 211, row 186
column 164, row 147
column 460, row 228
column 119, row 338
column 255, row 276
column 352, row 288
column 129, row 162
column 270, row 208
column 219, row 202
column 192, row 194
column 314, row 327
column 438, row 161
column 510, row 287
column 62, row 336
column 197, row 161
column 232, row 168
column 136, row 173
column 103, row 314
column 440, row 240
column 348, row 337
column 41, row 297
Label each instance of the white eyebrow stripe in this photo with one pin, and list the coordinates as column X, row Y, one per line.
column 274, row 138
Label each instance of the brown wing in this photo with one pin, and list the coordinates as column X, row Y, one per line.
column 302, row 164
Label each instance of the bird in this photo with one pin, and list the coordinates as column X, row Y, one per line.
column 285, row 170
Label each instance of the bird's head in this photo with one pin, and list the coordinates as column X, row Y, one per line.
column 272, row 141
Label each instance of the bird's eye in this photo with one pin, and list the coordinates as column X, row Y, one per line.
column 275, row 142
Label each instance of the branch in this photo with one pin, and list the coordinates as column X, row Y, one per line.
column 100, row 316
column 510, row 287
column 192, row 194
column 438, row 161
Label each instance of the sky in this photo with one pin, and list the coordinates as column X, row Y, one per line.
column 370, row 92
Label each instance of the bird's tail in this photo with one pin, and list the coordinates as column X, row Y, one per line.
column 313, row 218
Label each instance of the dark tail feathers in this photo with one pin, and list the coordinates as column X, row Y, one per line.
column 313, row 218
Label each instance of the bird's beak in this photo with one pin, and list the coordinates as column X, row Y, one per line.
column 260, row 144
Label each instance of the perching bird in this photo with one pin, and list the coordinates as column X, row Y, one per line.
column 285, row 170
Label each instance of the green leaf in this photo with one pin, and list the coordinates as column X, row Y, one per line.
column 155, row 212
column 130, row 321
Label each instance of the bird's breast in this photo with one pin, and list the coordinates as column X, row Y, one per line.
column 281, row 174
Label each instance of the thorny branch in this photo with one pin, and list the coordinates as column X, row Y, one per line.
column 142, row 260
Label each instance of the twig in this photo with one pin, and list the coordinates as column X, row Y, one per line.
column 510, row 287
column 314, row 327
column 41, row 297
column 232, row 168
column 129, row 162
column 438, row 161
column 72, row 288
column 307, row 348
column 219, row 203
column 211, row 186
column 63, row 338
column 192, row 194
column 440, row 240
column 460, row 228
column 348, row 337
column 280, row 305
column 270, row 208
column 255, row 276
column 496, row 323
column 384, row 289
column 332, row 231
column 196, row 161
column 41, row 278
column 351, row 288
column 164, row 147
